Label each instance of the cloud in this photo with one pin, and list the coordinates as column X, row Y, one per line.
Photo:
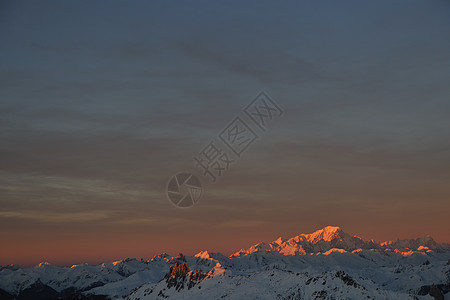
column 60, row 217
column 93, row 123
column 239, row 224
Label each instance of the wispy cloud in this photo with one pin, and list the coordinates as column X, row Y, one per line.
column 60, row 217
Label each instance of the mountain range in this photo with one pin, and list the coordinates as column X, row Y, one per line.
column 326, row 264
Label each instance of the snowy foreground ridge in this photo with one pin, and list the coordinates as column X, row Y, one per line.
column 326, row 264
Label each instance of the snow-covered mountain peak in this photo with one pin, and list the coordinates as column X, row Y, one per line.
column 307, row 266
column 81, row 265
column 12, row 267
column 180, row 258
column 279, row 240
column 333, row 239
column 203, row 255
column 320, row 241
column 327, row 234
column 42, row 264
column 218, row 270
column 161, row 257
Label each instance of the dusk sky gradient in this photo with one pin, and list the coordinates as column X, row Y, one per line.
column 101, row 102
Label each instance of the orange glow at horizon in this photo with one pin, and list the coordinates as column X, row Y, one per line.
column 66, row 246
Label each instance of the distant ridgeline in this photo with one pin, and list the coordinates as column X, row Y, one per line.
column 326, row 264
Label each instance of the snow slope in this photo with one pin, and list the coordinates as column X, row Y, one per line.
column 326, row 264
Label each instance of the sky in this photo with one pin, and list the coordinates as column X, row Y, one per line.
column 102, row 102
